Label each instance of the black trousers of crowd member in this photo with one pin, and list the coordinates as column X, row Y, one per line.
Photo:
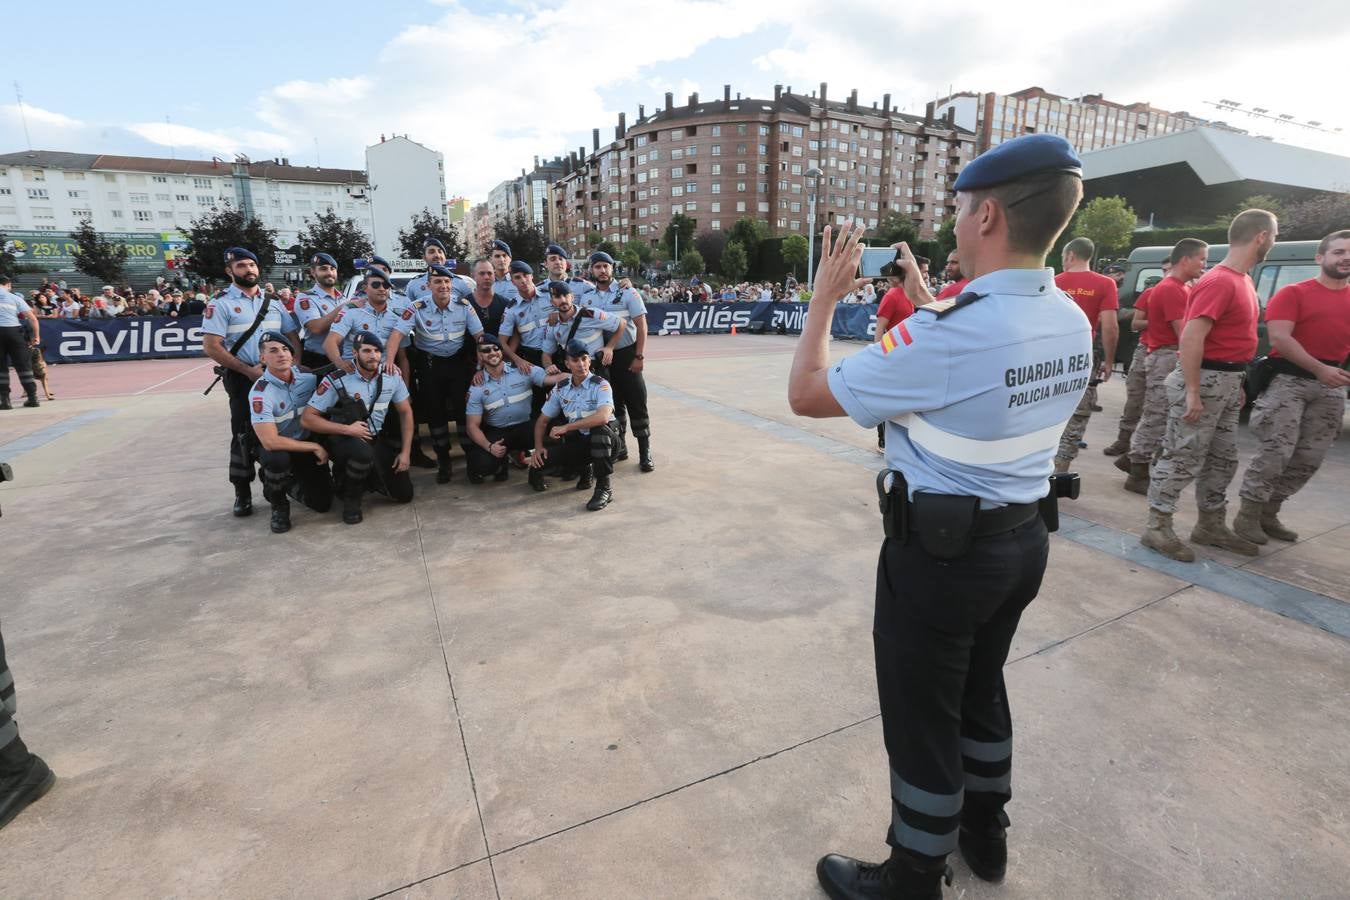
column 242, row 442
column 630, row 395
column 282, row 468
column 595, row 451
column 442, row 387
column 369, row 465
column 14, row 351
column 13, row 752
column 517, row 437
column 941, row 634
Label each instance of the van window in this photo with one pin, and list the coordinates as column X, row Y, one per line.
column 1141, row 279
column 1271, row 278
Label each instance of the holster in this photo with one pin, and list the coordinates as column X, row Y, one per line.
column 1259, row 376
column 945, row 523
column 893, row 499
column 1066, row 485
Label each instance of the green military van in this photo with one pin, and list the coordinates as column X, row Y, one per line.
column 1288, row 262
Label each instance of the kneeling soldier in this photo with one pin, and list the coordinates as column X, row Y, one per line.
column 365, row 451
column 590, row 435
column 289, row 460
column 498, row 412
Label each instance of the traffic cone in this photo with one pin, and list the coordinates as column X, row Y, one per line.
column 733, row 329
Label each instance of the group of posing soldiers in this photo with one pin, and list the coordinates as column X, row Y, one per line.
column 1189, row 380
column 546, row 376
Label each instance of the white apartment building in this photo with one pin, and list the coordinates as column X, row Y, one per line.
column 53, row 191
column 405, row 178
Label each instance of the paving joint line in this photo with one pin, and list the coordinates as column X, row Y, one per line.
column 1098, row 625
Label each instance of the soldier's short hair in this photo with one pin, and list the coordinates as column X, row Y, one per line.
column 1038, row 207
column 1325, row 244
column 480, row 261
column 1247, row 224
column 1187, row 247
column 1082, row 248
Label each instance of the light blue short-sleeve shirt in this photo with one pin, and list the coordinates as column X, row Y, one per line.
column 281, row 402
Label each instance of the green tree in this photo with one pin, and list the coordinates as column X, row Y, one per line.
column 691, row 263
column 1256, row 201
column 608, row 247
column 1315, row 217
column 643, row 249
column 339, row 238
column 97, row 257
column 9, row 263
column 946, row 241
column 593, row 239
column 794, row 251
column 749, row 233
column 525, row 236
column 683, row 226
column 210, row 235
column 427, row 225
column 734, row 263
column 630, row 259
column 1108, row 221
column 895, row 227
column 711, row 244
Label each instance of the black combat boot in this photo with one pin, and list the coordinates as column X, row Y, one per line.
column 587, row 479
column 645, row 454
column 600, row 499
column 502, row 472
column 281, row 516
column 899, row 878
column 243, row 500
column 537, row 479
column 351, row 510
column 984, row 842
column 444, row 471
column 623, row 442
column 21, row 787
column 417, row 458
column 4, row 401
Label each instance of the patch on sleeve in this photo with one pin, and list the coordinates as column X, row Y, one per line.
column 257, row 404
column 210, row 310
column 894, row 337
column 339, row 317
column 304, row 304
column 407, row 314
column 323, row 387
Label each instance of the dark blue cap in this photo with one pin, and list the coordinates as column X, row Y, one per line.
column 488, row 339
column 432, row 242
column 601, row 256
column 234, row 254
column 379, row 261
column 555, row 250
column 576, row 348
column 559, row 289
column 365, row 337
column 274, row 336
column 1011, row 160
column 520, row 265
column 502, row 246
column 322, row 259
column 444, row 271
column 371, row 272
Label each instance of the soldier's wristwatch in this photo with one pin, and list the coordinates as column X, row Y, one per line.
column 638, row 356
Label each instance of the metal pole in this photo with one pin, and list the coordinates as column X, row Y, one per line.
column 811, row 241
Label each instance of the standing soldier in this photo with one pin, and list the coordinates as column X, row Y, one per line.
column 500, row 256
column 433, row 252
column 14, row 349
column 555, row 262
column 1299, row 414
column 387, row 318
column 498, row 414
column 625, row 370
column 318, row 308
column 1134, row 376
column 1096, row 297
column 239, row 314
column 1166, row 316
column 587, row 403
column 1204, row 395
column 24, row 777
column 588, row 325
column 975, row 393
column 489, row 305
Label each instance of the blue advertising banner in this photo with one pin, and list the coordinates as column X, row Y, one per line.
column 101, row 340
column 856, row 321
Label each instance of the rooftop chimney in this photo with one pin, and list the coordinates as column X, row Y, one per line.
column 581, row 154
column 623, row 127
column 670, row 101
column 595, row 138
column 886, row 103
column 642, row 113
column 824, row 98
column 853, row 100
column 777, row 92
column 693, row 99
column 726, row 95
column 381, row 139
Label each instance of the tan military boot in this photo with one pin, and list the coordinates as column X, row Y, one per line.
column 1212, row 531
column 1160, row 536
column 1247, row 523
column 1137, row 483
column 1271, row 525
column 1123, row 463
column 1122, row 444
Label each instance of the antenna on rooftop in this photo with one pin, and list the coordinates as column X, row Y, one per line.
column 170, row 132
column 1260, row 112
column 18, row 95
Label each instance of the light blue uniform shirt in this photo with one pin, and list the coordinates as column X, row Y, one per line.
column 506, row 401
column 392, row 390
column 528, row 318
column 314, row 303
column 276, row 401
column 440, row 332
column 626, row 304
column 397, row 316
column 590, row 332
column 11, row 307
column 506, row 288
column 975, row 400
column 579, row 401
column 417, row 288
column 231, row 314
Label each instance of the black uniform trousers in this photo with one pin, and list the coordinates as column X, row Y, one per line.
column 941, row 634
column 13, row 752
column 282, row 467
column 630, row 394
column 314, row 361
column 442, row 388
column 14, row 351
column 517, row 437
column 538, row 395
column 597, row 450
column 369, row 465
column 242, row 441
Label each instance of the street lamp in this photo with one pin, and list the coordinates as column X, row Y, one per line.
column 814, row 174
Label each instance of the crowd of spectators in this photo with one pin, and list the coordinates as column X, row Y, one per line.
column 56, row 301
column 751, row 291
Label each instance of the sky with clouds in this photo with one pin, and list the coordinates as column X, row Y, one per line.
column 492, row 85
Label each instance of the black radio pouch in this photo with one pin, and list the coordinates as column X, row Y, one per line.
column 945, row 523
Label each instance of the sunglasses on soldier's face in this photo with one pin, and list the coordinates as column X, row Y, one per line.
column 374, row 283
column 489, row 348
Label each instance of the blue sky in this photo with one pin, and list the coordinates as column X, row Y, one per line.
column 482, row 82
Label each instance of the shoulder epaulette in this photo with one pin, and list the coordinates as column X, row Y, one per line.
column 260, row 384
column 951, row 304
column 596, row 379
column 420, row 304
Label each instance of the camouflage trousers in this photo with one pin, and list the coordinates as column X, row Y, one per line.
column 1077, row 427
column 1134, row 389
column 1148, row 434
column 1296, row 421
column 1204, row 452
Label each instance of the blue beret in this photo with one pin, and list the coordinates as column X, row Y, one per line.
column 322, row 259
column 274, row 336
column 1011, row 160
column 379, row 261
column 372, row 272
column 234, row 254
column 365, row 337
column 520, row 265
column 559, row 289
column 443, row 271
column 576, row 348
column 555, row 250
column 502, row 246
column 488, row 340
column 601, row 256
column 432, row 242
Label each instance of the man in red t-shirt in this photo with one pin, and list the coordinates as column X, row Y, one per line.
column 1299, row 415
column 895, row 306
column 953, row 271
column 1162, row 332
column 1096, row 296
column 1204, row 394
column 1134, row 378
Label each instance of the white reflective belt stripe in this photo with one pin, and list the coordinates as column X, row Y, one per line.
column 526, row 326
column 579, row 414
column 435, row 336
column 238, row 329
column 594, row 338
column 384, row 405
column 499, row 403
column 516, row 398
column 286, row 418
column 974, row 451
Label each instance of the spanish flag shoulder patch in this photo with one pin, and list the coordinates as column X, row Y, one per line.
column 897, row 335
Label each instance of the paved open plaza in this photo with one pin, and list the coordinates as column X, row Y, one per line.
column 490, row 693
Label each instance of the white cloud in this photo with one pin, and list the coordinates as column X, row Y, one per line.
column 40, row 118
column 220, row 143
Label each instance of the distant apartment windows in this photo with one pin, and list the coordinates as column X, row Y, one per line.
column 37, row 193
column 142, row 215
column 740, row 206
